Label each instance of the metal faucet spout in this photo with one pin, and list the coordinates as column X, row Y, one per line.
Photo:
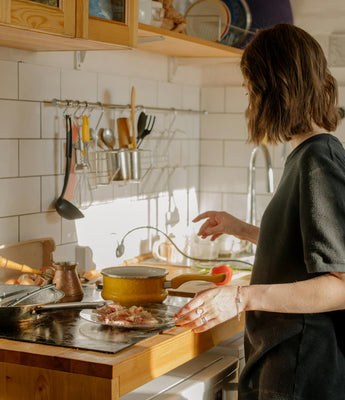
column 251, row 200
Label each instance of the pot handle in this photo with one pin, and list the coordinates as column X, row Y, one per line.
column 178, row 280
column 73, row 305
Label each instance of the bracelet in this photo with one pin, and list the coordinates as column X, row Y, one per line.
column 238, row 300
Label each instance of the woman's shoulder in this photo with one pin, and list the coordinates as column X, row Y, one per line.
column 320, row 146
column 322, row 151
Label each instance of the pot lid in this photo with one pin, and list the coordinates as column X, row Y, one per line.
column 131, row 272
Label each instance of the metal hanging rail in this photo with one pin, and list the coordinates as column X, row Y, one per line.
column 85, row 104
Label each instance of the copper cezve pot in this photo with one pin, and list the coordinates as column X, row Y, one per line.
column 132, row 285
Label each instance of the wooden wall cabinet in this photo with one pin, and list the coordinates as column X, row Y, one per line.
column 31, row 25
column 67, row 25
column 32, row 15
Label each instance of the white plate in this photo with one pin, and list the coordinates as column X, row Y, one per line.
column 164, row 315
column 240, row 22
column 208, row 19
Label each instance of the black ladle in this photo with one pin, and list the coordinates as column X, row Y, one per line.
column 64, row 207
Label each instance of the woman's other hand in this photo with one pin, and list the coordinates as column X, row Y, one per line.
column 219, row 222
column 208, row 309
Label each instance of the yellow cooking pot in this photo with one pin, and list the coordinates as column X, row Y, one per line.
column 133, row 285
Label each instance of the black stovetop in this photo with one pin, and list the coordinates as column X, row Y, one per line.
column 67, row 329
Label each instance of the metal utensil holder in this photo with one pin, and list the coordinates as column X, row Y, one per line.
column 121, row 165
column 129, row 164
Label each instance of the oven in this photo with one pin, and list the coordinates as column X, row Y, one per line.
column 213, row 375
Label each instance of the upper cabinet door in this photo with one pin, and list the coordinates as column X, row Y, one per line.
column 53, row 16
column 108, row 21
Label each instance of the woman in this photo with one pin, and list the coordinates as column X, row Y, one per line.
column 294, row 336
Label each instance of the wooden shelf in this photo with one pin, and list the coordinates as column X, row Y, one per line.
column 181, row 45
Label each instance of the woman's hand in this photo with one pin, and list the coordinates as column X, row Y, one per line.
column 208, row 309
column 219, row 222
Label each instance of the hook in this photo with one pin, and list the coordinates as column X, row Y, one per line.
column 77, row 107
column 101, row 115
column 68, row 105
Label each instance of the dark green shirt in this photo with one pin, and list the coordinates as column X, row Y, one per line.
column 302, row 235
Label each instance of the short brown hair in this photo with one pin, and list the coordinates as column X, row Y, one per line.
column 289, row 85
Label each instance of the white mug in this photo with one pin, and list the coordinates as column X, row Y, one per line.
column 164, row 250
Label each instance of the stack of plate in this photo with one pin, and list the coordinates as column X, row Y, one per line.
column 224, row 21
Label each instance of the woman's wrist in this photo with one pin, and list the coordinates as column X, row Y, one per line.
column 243, row 304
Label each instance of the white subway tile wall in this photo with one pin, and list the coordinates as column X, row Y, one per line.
column 199, row 162
column 32, row 151
column 8, row 80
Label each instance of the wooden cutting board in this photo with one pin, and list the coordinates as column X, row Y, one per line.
column 35, row 253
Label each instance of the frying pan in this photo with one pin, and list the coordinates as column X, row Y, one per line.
column 133, row 285
column 16, row 316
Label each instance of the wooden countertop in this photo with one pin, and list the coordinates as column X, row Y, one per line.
column 34, row 371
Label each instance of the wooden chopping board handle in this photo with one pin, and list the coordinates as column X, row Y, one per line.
column 180, row 279
column 5, row 263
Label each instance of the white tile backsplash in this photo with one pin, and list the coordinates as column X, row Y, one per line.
column 39, row 157
column 79, row 85
column 53, row 123
column 191, row 97
column 51, row 189
column 169, row 95
column 19, row 119
column 38, row 82
column 113, row 89
column 8, row 80
column 236, row 100
column 68, row 231
column 22, row 196
column 223, row 179
column 236, row 153
column 235, row 204
column 190, row 152
column 212, row 99
column 35, row 226
column 8, row 158
column 210, row 202
column 65, row 252
column 211, row 152
column 146, row 92
column 9, row 232
column 187, row 174
column 223, row 126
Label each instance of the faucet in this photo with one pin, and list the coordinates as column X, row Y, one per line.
column 251, row 200
column 251, row 197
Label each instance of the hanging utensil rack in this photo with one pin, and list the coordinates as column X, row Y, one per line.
column 99, row 105
column 104, row 169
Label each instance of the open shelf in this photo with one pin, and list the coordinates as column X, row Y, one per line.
column 181, row 45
